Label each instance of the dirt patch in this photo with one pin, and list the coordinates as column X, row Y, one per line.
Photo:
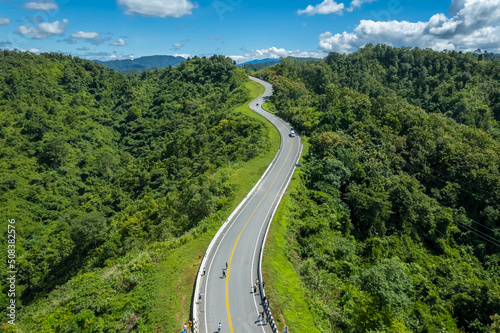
column 131, row 322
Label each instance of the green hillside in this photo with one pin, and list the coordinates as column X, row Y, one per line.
column 393, row 223
column 105, row 175
column 142, row 64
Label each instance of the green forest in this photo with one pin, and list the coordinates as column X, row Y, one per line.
column 393, row 222
column 104, row 174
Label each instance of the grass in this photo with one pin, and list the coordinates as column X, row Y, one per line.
column 270, row 107
column 175, row 275
column 283, row 283
column 174, row 284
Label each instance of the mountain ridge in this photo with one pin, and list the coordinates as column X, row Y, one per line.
column 143, row 63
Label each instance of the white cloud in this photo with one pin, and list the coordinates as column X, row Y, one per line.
column 475, row 25
column 357, row 3
column 184, row 55
column 41, row 6
column 159, row 8
column 342, row 43
column 178, row 45
column 84, row 35
column 103, row 56
column 275, row 53
column 43, row 30
column 326, row 7
column 119, row 42
column 93, row 38
column 4, row 21
column 7, row 46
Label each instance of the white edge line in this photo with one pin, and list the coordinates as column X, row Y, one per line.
column 259, row 272
column 257, row 242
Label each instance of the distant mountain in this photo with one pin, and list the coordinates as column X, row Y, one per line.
column 258, row 61
column 271, row 60
column 143, row 63
column 256, row 65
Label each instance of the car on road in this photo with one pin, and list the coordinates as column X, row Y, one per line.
column 292, row 133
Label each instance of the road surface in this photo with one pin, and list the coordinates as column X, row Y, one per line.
column 230, row 300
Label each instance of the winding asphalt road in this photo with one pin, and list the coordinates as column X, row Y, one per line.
column 230, row 300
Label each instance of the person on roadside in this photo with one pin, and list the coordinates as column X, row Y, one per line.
column 219, row 327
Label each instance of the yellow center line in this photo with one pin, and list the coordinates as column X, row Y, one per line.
column 238, row 239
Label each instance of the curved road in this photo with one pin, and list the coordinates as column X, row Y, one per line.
column 230, row 300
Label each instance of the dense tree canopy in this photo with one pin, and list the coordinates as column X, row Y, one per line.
column 94, row 164
column 397, row 224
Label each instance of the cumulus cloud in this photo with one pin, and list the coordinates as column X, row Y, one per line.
column 4, row 21
column 7, row 46
column 119, row 42
column 274, row 52
column 475, row 25
column 84, row 35
column 93, row 38
column 177, row 46
column 326, row 7
column 184, row 55
column 159, row 8
column 357, row 3
column 41, row 6
column 43, row 30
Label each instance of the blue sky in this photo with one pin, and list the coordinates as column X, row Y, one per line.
column 244, row 29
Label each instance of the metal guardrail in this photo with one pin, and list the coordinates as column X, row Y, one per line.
column 265, row 303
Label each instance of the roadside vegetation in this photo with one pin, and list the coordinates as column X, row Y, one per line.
column 117, row 185
column 393, row 222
